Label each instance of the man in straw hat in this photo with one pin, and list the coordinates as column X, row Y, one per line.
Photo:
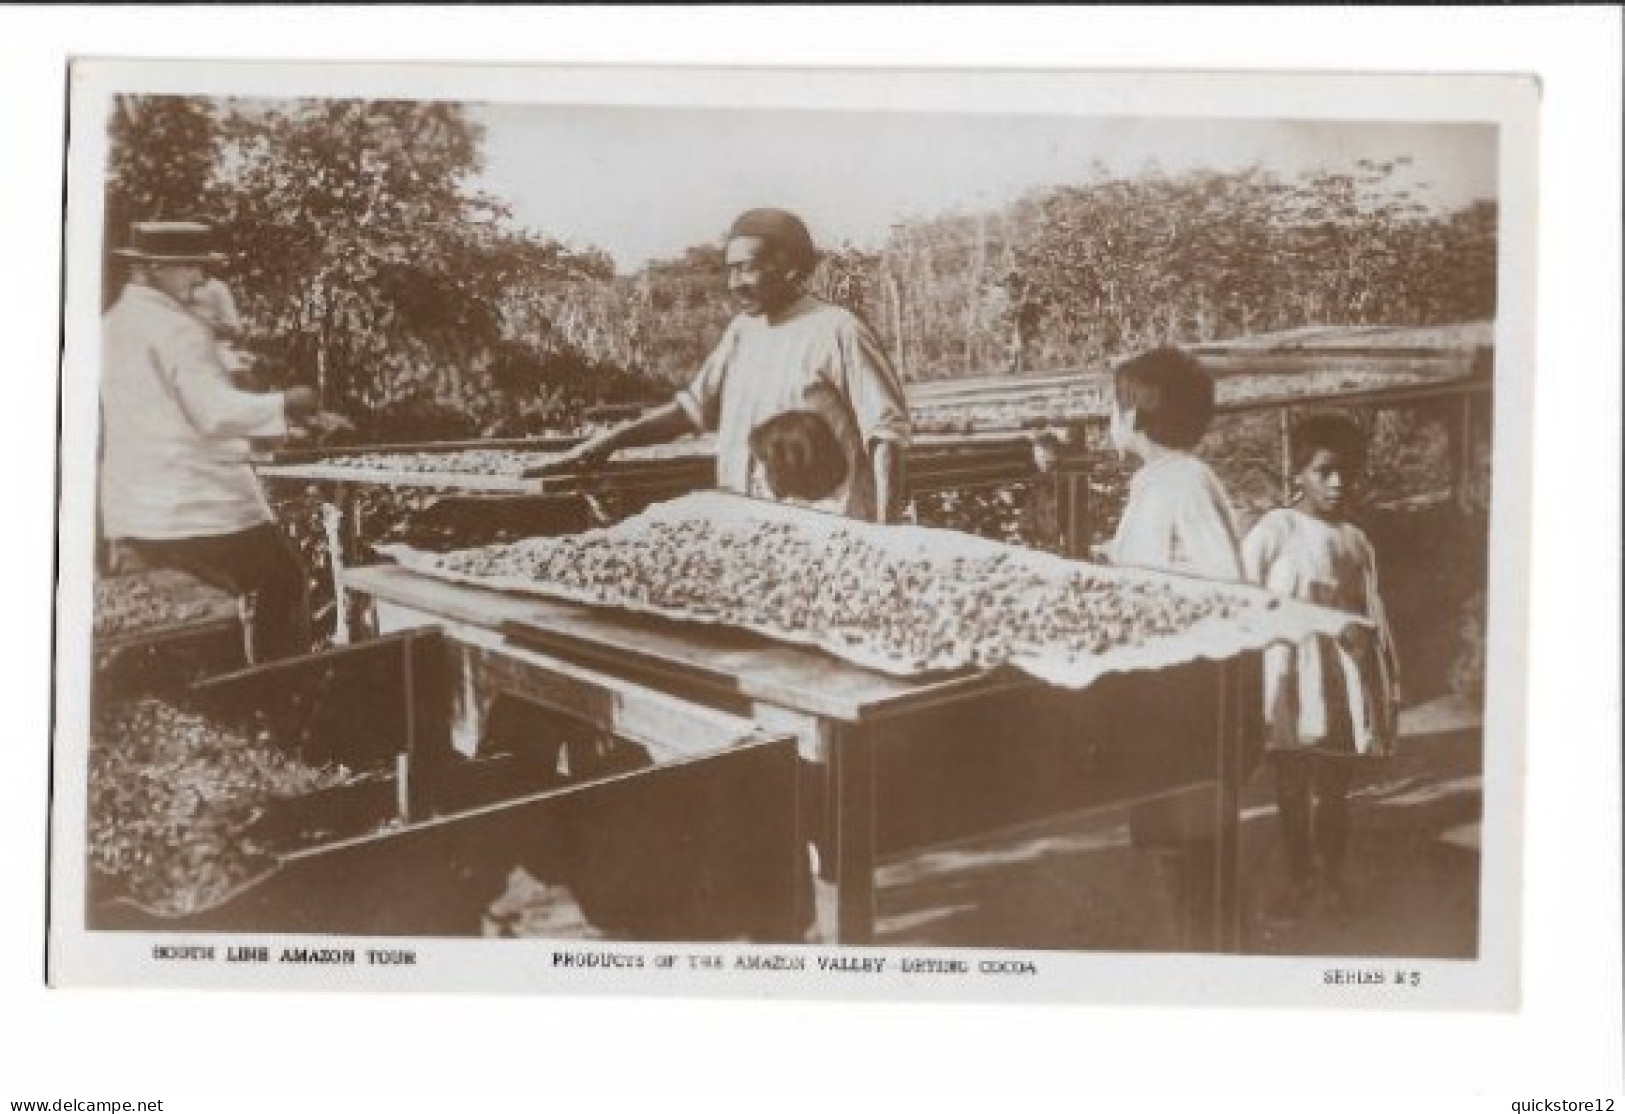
column 176, row 486
column 785, row 351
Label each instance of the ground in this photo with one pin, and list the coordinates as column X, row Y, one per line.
column 1073, row 882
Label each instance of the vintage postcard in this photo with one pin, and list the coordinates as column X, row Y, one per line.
column 839, row 534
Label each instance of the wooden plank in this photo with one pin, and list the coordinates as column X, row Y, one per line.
column 344, row 474
column 978, row 455
column 345, row 705
column 1018, row 453
column 971, row 461
column 251, row 682
column 730, row 663
column 1369, row 338
column 328, row 452
column 628, row 469
column 701, row 850
column 1379, row 396
column 194, row 631
column 941, row 479
column 671, row 728
column 932, row 391
column 740, row 665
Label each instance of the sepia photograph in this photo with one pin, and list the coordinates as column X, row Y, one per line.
column 735, row 533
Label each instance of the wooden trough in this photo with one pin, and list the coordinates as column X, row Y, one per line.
column 676, row 823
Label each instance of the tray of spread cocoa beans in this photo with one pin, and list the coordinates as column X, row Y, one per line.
column 902, row 599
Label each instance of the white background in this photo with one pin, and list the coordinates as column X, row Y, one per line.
column 231, row 1052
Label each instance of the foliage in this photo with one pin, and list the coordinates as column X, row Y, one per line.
column 161, row 153
column 1067, row 278
column 365, row 265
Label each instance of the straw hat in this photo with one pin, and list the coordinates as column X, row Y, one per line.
column 171, row 242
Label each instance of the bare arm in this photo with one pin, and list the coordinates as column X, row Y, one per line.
column 888, row 466
column 660, row 424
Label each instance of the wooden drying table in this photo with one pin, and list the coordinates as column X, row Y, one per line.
column 839, row 713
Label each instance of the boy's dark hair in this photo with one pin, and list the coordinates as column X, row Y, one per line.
column 1337, row 432
column 800, row 455
column 1171, row 395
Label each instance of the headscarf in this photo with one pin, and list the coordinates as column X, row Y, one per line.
column 784, row 231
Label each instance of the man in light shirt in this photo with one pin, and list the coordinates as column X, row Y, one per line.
column 177, row 489
column 786, row 350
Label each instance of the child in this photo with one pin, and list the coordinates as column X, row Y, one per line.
column 1177, row 519
column 1327, row 702
column 799, row 457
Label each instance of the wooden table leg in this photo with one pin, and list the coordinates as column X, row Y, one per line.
column 1230, row 747
column 1073, row 497
column 815, row 746
column 333, row 526
column 469, row 701
column 851, row 828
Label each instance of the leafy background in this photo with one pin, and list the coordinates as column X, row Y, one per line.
column 367, row 265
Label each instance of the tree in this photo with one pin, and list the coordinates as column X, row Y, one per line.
column 161, row 153
column 369, row 266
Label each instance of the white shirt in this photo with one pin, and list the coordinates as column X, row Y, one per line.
column 1178, row 520
column 1331, row 564
column 818, row 357
column 175, row 430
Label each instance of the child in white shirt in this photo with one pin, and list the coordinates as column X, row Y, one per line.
column 1328, row 703
column 1177, row 519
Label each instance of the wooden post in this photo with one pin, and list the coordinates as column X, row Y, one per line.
column 1462, row 458
column 851, row 833
column 1231, row 727
column 423, row 663
column 1074, row 510
column 896, row 292
column 1286, row 454
column 333, row 515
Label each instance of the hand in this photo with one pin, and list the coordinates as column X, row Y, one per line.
column 298, row 403
column 584, row 457
column 325, row 423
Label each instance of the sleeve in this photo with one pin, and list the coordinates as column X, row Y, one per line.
column 1261, row 547
column 871, row 385
column 1387, row 653
column 1205, row 531
column 701, row 400
column 212, row 404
